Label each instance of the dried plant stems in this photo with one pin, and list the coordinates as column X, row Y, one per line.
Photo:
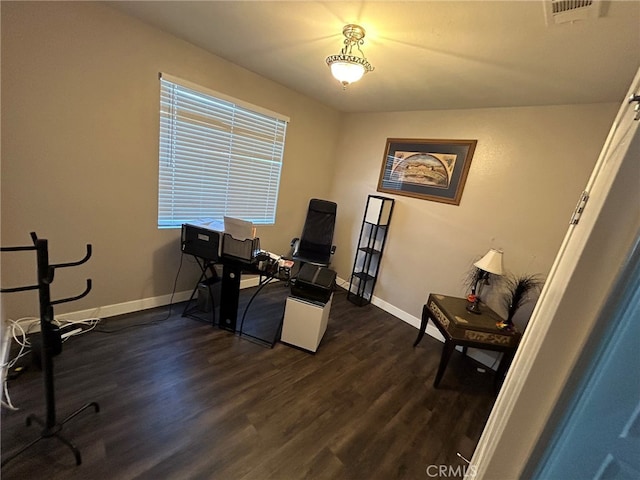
column 473, row 277
column 519, row 289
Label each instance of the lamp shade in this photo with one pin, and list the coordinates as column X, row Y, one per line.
column 347, row 72
column 491, row 262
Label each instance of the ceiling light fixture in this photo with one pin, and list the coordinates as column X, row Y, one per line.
column 347, row 67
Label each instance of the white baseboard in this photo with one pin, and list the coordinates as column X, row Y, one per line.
column 138, row 305
column 124, row 307
column 486, row 358
column 33, row 326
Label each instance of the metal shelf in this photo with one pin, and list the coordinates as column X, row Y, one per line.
column 363, row 276
column 373, row 235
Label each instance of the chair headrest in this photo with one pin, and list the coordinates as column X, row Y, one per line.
column 323, row 206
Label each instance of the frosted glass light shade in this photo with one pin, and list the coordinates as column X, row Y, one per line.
column 491, row 262
column 347, row 72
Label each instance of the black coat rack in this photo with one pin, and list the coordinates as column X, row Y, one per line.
column 51, row 343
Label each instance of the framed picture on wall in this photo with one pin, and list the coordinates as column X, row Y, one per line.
column 433, row 170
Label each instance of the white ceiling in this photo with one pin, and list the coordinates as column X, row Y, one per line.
column 427, row 54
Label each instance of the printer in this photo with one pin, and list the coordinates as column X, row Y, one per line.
column 203, row 238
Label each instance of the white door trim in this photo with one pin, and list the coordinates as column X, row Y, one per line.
column 585, row 268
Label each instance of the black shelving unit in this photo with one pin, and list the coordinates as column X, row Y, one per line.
column 373, row 235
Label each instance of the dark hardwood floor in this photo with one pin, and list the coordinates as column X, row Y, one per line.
column 180, row 399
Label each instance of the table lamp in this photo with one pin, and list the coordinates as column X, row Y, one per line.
column 491, row 263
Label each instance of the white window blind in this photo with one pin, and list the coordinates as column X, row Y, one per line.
column 218, row 156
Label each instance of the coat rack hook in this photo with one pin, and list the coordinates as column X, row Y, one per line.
column 19, row 289
column 73, row 264
column 78, row 297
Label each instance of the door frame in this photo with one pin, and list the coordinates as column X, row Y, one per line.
column 591, row 257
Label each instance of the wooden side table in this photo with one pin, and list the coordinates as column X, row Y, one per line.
column 460, row 327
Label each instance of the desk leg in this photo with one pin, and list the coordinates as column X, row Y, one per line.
column 447, row 350
column 505, row 362
column 229, row 297
column 423, row 325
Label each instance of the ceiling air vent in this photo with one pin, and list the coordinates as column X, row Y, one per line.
column 566, row 11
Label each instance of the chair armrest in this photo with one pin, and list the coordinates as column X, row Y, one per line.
column 295, row 245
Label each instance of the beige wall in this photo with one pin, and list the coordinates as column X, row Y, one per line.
column 528, row 170
column 80, row 147
column 80, row 99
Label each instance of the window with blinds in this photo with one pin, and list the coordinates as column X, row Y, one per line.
column 218, row 156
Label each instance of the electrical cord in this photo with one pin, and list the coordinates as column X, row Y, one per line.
column 20, row 336
column 90, row 322
column 23, row 341
column 152, row 322
column 262, row 283
column 24, row 350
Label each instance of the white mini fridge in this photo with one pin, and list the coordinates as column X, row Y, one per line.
column 305, row 323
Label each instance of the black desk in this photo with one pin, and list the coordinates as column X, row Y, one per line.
column 230, row 292
column 460, row 327
column 232, row 271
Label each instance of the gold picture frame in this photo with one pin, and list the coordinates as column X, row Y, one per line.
column 433, row 170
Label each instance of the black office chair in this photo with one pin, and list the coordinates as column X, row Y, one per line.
column 315, row 245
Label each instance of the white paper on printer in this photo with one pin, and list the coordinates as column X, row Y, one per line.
column 209, row 223
column 238, row 228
